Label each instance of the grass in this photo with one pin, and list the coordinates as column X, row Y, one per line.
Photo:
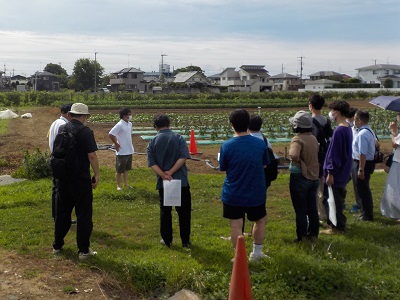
column 362, row 264
column 4, row 126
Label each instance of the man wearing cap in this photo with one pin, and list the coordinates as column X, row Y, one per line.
column 51, row 135
column 77, row 192
column 337, row 165
column 304, row 173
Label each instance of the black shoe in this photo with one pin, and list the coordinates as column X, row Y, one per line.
column 73, row 222
column 186, row 245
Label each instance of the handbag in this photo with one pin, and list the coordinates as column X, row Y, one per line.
column 378, row 156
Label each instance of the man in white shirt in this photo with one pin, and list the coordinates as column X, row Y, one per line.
column 121, row 136
column 53, row 131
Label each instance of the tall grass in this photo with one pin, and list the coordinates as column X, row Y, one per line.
column 362, row 264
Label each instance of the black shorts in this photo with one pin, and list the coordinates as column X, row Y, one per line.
column 123, row 163
column 254, row 213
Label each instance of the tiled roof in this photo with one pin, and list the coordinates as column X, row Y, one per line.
column 380, row 67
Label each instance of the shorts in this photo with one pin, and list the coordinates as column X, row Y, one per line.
column 123, row 163
column 254, row 213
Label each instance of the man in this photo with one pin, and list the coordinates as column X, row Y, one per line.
column 244, row 158
column 322, row 130
column 53, row 131
column 337, row 165
column 76, row 192
column 166, row 154
column 121, row 136
column 363, row 162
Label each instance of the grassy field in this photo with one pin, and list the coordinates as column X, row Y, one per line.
column 362, row 264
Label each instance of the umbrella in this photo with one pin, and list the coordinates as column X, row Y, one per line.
column 387, row 102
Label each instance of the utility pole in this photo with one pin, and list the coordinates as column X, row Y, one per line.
column 162, row 64
column 95, row 74
column 301, row 69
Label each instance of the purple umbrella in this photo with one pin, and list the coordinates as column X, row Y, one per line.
column 387, row 102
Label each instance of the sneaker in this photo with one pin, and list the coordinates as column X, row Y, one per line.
column 332, row 231
column 57, row 251
column 119, row 188
column 162, row 242
column 355, row 209
column 186, row 245
column 83, row 256
column 254, row 257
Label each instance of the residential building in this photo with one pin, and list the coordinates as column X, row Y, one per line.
column 320, row 84
column 285, row 82
column 378, row 73
column 324, row 75
column 1, row 79
column 44, row 81
column 190, row 78
column 249, row 78
column 129, row 79
column 19, row 79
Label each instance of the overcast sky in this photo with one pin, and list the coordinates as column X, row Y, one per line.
column 339, row 35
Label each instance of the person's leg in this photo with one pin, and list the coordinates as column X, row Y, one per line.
column 62, row 222
column 312, row 211
column 54, row 196
column 259, row 230
column 185, row 214
column 236, row 230
column 165, row 220
column 320, row 200
column 340, row 195
column 118, row 177
column 365, row 192
column 298, row 194
column 125, row 177
column 354, row 176
column 84, row 214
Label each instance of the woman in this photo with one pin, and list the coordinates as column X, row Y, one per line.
column 390, row 205
column 304, row 173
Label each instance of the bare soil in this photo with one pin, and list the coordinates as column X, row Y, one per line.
column 26, row 277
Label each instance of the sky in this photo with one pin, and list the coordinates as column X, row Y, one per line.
column 338, row 35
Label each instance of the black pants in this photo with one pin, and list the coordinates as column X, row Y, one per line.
column 340, row 198
column 54, row 196
column 364, row 190
column 184, row 213
column 76, row 194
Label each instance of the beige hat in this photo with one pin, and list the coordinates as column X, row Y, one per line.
column 79, row 109
column 301, row 119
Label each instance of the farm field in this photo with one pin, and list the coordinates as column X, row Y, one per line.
column 284, row 270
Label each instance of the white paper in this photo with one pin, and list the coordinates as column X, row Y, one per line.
column 172, row 192
column 332, row 206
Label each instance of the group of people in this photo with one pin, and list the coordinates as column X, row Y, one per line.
column 321, row 159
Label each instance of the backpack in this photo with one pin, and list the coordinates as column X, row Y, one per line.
column 64, row 161
column 324, row 134
column 271, row 171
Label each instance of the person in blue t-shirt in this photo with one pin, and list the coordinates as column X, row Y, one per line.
column 244, row 158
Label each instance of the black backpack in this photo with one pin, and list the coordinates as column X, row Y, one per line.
column 271, row 171
column 324, row 134
column 64, row 161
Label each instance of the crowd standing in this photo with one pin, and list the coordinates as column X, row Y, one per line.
column 320, row 159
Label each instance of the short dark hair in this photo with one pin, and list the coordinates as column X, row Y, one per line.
column 352, row 112
column 240, row 120
column 161, row 121
column 65, row 108
column 341, row 106
column 317, row 101
column 301, row 130
column 363, row 115
column 123, row 112
column 255, row 123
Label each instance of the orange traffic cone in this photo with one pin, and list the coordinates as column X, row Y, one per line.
column 240, row 288
column 193, row 147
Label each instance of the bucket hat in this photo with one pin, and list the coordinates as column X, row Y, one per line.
column 301, row 119
column 79, row 109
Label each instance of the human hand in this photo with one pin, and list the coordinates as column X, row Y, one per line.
column 330, row 180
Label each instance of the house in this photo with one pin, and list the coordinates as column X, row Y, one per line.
column 190, row 78
column 129, row 79
column 325, row 75
column 215, row 79
column 1, row 79
column 379, row 73
column 19, row 79
column 44, row 81
column 249, row 78
column 320, row 84
column 285, row 82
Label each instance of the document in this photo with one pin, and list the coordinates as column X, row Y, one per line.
column 172, row 192
column 332, row 207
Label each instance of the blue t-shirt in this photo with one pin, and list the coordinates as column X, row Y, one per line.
column 243, row 158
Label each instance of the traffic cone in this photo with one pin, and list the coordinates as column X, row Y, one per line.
column 240, row 288
column 193, row 147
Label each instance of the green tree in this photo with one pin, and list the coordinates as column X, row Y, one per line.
column 84, row 74
column 188, row 69
column 388, row 83
column 353, row 80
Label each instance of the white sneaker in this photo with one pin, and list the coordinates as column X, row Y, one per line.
column 254, row 257
column 119, row 188
column 83, row 256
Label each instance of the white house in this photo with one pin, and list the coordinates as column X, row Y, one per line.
column 131, row 79
column 285, row 82
column 249, row 78
column 378, row 73
column 320, row 84
column 192, row 77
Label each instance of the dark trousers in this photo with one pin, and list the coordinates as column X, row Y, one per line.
column 79, row 195
column 304, row 198
column 364, row 190
column 340, row 198
column 184, row 213
column 54, row 196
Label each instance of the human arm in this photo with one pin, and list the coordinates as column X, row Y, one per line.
column 161, row 173
column 294, row 151
column 114, row 140
column 395, row 133
column 361, row 166
column 178, row 164
column 94, row 162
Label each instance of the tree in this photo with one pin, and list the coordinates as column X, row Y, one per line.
column 353, row 80
column 59, row 71
column 84, row 74
column 188, row 69
column 388, row 83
